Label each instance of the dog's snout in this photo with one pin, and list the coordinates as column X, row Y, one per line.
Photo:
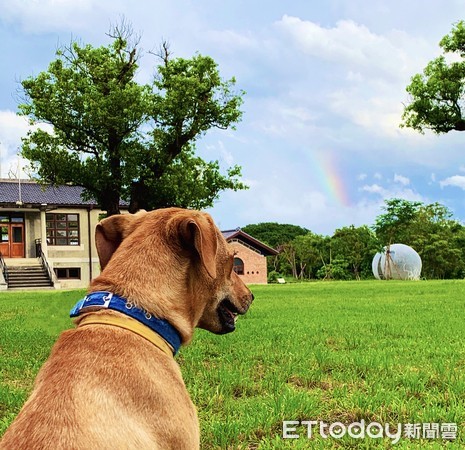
column 249, row 298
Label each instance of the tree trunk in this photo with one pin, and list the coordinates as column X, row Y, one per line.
column 139, row 196
column 112, row 194
column 356, row 272
column 110, row 202
column 302, row 270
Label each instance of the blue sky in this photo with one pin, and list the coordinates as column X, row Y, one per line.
column 319, row 143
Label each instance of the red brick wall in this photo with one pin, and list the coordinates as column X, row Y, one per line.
column 255, row 271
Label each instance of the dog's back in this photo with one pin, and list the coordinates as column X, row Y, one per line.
column 99, row 390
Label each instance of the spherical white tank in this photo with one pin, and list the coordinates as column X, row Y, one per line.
column 397, row 262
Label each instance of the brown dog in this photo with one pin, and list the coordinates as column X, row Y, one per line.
column 112, row 382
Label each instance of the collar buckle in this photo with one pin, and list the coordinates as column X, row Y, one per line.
column 107, row 299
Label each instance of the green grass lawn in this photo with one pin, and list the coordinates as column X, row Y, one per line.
column 386, row 352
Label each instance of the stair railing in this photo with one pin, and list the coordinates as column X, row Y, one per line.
column 3, row 268
column 44, row 262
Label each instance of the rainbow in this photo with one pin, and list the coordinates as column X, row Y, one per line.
column 328, row 176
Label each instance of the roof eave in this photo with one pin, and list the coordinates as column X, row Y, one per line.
column 264, row 249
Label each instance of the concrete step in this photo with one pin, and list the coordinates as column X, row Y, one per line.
column 35, row 283
column 26, row 271
column 17, row 262
column 29, row 275
column 30, row 285
column 36, row 280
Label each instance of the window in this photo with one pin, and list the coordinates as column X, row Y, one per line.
column 16, row 218
column 17, row 234
column 239, row 266
column 12, row 217
column 62, row 229
column 68, row 273
column 5, row 236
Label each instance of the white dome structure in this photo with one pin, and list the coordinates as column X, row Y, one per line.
column 397, row 262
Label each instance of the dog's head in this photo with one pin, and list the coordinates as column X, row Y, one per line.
column 174, row 263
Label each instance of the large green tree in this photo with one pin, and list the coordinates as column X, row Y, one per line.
column 437, row 95
column 395, row 224
column 356, row 246
column 436, row 236
column 274, row 234
column 120, row 139
column 304, row 255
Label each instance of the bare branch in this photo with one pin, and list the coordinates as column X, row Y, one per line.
column 163, row 52
column 124, row 32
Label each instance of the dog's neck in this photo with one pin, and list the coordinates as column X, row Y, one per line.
column 107, row 300
column 167, row 298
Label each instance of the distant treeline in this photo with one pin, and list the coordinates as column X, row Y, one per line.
column 347, row 255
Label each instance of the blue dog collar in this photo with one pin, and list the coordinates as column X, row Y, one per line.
column 111, row 301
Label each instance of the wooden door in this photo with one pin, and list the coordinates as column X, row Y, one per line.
column 17, row 240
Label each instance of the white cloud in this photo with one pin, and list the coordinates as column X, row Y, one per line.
column 362, row 176
column 371, row 69
column 241, row 41
column 227, row 157
column 393, row 191
column 365, row 54
column 283, row 117
column 374, row 189
column 368, row 108
column 455, row 180
column 46, row 15
column 12, row 129
column 347, row 43
column 401, row 179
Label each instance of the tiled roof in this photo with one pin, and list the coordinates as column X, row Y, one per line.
column 229, row 233
column 249, row 240
column 35, row 194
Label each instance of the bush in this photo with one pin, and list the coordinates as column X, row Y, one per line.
column 273, row 276
column 337, row 270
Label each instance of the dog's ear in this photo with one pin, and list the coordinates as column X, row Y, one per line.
column 109, row 234
column 200, row 232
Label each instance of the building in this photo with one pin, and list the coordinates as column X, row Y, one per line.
column 250, row 256
column 51, row 223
